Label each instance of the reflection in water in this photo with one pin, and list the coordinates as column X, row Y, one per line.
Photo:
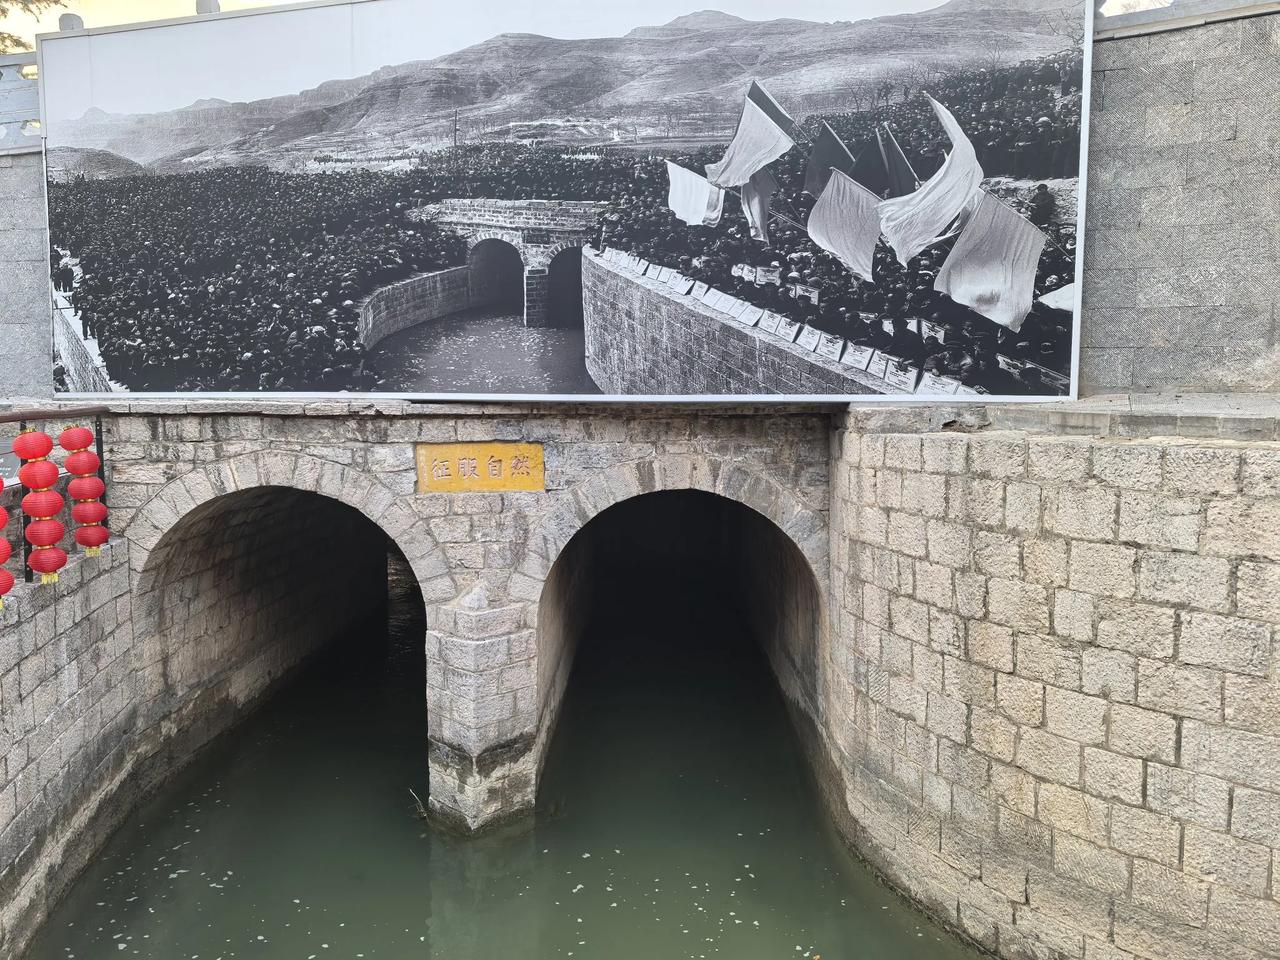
column 483, row 351
column 675, row 820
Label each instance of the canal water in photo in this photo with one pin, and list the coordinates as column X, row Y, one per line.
column 676, row 820
column 487, row 351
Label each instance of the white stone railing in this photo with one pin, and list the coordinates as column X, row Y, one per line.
column 19, row 104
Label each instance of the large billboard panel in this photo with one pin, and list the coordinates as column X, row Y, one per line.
column 873, row 200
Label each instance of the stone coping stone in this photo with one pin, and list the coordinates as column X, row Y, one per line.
column 1254, row 417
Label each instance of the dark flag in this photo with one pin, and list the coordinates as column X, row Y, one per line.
column 901, row 178
column 828, row 151
column 764, row 133
column 773, row 110
column 869, row 170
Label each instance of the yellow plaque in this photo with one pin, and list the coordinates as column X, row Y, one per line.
column 480, row 467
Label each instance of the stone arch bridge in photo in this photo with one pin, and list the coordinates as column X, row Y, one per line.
column 544, row 234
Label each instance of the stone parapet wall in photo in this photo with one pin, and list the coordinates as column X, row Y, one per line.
column 643, row 339
column 419, row 299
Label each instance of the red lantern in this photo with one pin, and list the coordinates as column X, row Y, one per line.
column 90, row 511
column 47, row 561
column 39, row 474
column 76, row 438
column 86, row 489
column 33, row 445
column 45, row 533
column 92, row 537
column 6, row 578
column 41, row 505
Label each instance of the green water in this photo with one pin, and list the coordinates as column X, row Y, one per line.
column 675, row 820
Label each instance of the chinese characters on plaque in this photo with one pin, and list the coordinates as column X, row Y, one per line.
column 480, row 467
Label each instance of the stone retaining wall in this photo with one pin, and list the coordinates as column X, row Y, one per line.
column 1043, row 700
column 1055, row 694
column 642, row 339
column 83, row 375
column 428, row 296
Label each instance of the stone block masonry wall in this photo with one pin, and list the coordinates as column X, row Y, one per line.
column 1180, row 255
column 642, row 339
column 26, row 344
column 68, row 702
column 1056, row 704
column 417, row 300
column 241, row 592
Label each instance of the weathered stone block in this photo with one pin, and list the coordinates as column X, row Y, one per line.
column 1103, row 569
column 1112, row 674
column 1051, row 757
column 1130, row 465
column 1060, row 459
column 1084, row 513
column 1047, row 659
column 1137, row 628
column 1170, row 892
column 1089, row 863
column 1221, row 858
column 1141, row 833
column 1236, row 755
column 1076, row 716
column 1228, row 643
column 1153, row 520
column 1182, row 691
column 1201, row 582
column 1258, row 591
column 1202, row 469
column 1243, row 528
column 1017, row 604
column 1188, row 796
column 1073, row 615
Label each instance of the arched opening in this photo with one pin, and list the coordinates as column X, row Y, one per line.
column 496, row 276
column 248, row 587
column 564, row 289
column 680, row 585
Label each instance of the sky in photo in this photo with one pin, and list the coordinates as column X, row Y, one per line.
column 271, row 54
column 562, row 18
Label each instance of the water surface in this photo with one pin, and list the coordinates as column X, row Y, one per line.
column 676, row 820
column 483, row 351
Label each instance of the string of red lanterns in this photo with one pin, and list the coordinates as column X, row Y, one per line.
column 6, row 577
column 42, row 505
column 85, row 490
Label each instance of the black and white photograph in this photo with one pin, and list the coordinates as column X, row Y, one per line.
column 501, row 200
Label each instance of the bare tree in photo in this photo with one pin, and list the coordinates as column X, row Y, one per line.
column 10, row 42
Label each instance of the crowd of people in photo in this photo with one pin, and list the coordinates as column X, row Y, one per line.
column 891, row 313
column 237, row 279
column 246, row 279
column 1024, row 120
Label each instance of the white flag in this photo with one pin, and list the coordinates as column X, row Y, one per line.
column 759, row 140
column 692, row 198
column 844, row 221
column 915, row 221
column 757, row 197
column 992, row 268
column 1064, row 298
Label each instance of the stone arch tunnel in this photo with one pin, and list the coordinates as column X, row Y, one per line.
column 972, row 616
